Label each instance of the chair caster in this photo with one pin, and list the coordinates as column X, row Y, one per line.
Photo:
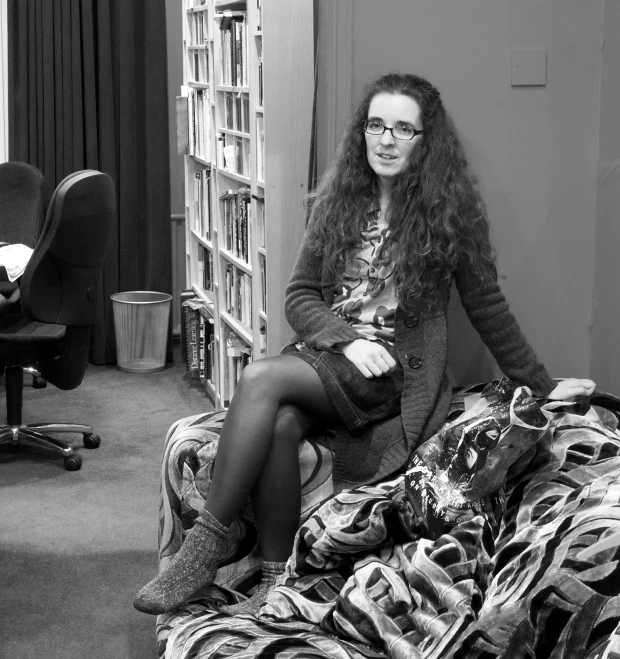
column 73, row 463
column 92, row 441
column 38, row 382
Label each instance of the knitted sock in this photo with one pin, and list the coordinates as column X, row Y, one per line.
column 271, row 571
column 193, row 567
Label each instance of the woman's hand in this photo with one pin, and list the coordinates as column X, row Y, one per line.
column 370, row 357
column 572, row 387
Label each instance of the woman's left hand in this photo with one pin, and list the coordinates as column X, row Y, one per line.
column 572, row 387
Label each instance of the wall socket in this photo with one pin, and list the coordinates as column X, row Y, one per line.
column 528, row 67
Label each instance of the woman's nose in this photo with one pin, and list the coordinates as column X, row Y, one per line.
column 387, row 137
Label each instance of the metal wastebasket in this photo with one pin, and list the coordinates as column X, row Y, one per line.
column 141, row 324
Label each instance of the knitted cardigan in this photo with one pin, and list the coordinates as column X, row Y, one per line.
column 421, row 340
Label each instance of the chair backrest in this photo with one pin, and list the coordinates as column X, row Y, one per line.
column 62, row 278
column 21, row 203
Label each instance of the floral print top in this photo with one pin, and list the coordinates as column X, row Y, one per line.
column 365, row 296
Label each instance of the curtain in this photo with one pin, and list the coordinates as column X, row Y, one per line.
column 88, row 90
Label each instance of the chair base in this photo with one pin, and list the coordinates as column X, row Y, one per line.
column 33, row 434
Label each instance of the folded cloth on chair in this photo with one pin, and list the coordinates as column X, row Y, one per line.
column 15, row 258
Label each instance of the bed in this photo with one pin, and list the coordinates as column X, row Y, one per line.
column 364, row 580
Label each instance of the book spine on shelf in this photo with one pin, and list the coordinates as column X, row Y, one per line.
column 183, row 298
column 192, row 338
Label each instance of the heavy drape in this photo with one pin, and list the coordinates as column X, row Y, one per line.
column 88, row 90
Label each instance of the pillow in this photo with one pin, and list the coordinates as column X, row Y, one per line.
column 460, row 471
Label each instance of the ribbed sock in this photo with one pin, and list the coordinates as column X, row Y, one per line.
column 193, row 567
column 271, row 571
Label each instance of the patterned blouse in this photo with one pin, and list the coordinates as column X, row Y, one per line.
column 365, row 295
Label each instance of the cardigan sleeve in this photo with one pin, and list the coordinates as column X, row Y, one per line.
column 489, row 313
column 305, row 306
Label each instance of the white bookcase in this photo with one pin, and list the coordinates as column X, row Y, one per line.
column 248, row 72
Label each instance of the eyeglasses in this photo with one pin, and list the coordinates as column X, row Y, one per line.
column 399, row 132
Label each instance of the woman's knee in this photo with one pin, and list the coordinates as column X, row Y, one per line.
column 271, row 377
column 292, row 423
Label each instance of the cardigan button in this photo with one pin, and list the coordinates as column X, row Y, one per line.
column 415, row 362
column 411, row 321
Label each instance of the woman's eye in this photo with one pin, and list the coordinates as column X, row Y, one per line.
column 405, row 130
column 375, row 125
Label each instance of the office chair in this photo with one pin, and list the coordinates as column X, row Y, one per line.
column 59, row 290
column 21, row 216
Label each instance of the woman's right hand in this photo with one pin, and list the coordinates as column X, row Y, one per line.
column 370, row 357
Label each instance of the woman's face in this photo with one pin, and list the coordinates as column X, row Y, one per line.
column 387, row 156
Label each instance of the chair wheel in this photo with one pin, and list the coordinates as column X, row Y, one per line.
column 92, row 441
column 73, row 463
column 38, row 382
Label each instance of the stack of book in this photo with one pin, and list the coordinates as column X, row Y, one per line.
column 197, row 337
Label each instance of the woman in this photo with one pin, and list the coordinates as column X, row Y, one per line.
column 394, row 221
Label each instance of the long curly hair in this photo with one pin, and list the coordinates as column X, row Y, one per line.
column 436, row 215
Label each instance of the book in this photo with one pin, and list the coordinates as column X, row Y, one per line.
column 183, row 298
column 191, row 324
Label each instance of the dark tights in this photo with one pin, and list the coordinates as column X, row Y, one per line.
column 276, row 402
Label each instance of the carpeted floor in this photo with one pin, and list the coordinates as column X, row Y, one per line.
column 75, row 546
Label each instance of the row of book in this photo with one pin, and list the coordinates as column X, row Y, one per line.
column 205, row 268
column 233, row 48
column 237, row 112
column 236, row 222
column 203, row 222
column 197, row 28
column 197, row 337
column 238, row 294
column 198, row 122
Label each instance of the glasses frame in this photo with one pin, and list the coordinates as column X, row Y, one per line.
column 416, row 131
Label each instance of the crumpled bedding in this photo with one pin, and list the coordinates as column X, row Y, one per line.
column 363, row 581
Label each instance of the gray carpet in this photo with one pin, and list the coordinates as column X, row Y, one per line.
column 75, row 546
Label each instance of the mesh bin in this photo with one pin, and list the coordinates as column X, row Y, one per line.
column 141, row 324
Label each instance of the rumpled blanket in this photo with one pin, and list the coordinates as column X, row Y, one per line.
column 15, row 258
column 363, row 581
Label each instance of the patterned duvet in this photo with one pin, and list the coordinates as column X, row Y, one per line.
column 363, row 581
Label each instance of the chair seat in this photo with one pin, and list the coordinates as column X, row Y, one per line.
column 21, row 330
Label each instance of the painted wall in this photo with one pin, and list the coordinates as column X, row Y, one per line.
column 606, row 318
column 534, row 149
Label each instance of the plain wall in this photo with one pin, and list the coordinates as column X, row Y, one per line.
column 606, row 318
column 534, row 149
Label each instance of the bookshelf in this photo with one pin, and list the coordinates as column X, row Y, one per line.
column 244, row 125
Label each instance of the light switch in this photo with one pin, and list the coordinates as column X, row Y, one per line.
column 529, row 67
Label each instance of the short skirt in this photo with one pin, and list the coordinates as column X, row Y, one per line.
column 360, row 401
